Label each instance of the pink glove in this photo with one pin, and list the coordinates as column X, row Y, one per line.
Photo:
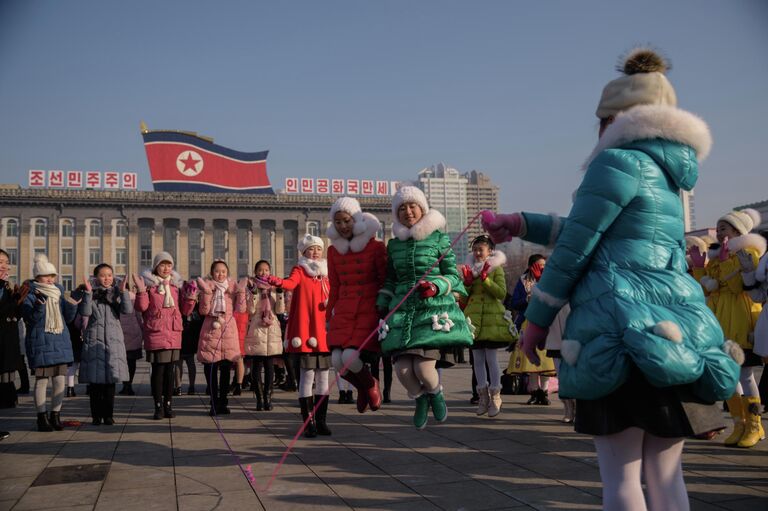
column 534, row 337
column 204, row 287
column 141, row 286
column 427, row 289
column 697, row 258
column 502, row 228
column 724, row 252
column 189, row 290
column 242, row 285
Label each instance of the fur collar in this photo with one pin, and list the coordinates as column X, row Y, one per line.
column 153, row 280
column 497, row 259
column 314, row 267
column 753, row 241
column 365, row 229
column 644, row 122
column 429, row 223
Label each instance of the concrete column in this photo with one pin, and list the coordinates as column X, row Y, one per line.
column 182, row 249
column 277, row 249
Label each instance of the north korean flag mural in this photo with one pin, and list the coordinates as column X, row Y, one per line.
column 181, row 162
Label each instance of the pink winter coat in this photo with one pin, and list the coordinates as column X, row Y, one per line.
column 162, row 325
column 219, row 339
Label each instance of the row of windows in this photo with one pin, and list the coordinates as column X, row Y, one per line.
column 67, row 228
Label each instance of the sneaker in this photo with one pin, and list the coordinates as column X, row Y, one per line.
column 439, row 408
column 421, row 412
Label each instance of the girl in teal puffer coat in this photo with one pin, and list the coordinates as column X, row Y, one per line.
column 430, row 318
column 642, row 353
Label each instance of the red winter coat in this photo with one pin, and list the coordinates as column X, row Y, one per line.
column 356, row 278
column 306, row 319
column 162, row 325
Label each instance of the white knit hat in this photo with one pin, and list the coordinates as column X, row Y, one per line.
column 310, row 241
column 409, row 194
column 43, row 266
column 743, row 221
column 160, row 257
column 644, row 83
column 352, row 207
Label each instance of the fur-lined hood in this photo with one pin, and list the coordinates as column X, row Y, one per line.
column 751, row 240
column 497, row 259
column 150, row 279
column 314, row 267
column 364, row 230
column 429, row 223
column 645, row 122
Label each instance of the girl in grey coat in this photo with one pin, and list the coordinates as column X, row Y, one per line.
column 103, row 362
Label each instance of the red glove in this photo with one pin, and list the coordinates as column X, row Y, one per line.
column 502, row 228
column 724, row 252
column 427, row 289
column 466, row 272
column 534, row 337
column 697, row 258
column 271, row 280
column 484, row 271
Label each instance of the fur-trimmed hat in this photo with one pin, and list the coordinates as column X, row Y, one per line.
column 161, row 257
column 643, row 83
column 352, row 208
column 43, row 266
column 310, row 241
column 409, row 194
column 743, row 221
column 696, row 241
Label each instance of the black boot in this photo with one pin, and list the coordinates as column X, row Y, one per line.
column 267, row 394
column 95, row 409
column 108, row 405
column 542, row 398
column 306, row 412
column 258, row 391
column 168, row 412
column 322, row 413
column 43, row 424
column 534, row 398
column 71, row 392
column 237, row 389
column 56, row 421
column 386, row 399
column 158, row 410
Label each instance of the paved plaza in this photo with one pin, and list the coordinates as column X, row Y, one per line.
column 523, row 459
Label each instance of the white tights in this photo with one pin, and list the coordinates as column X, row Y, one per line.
column 71, row 372
column 57, row 393
column 317, row 376
column 491, row 378
column 627, row 456
column 747, row 385
column 346, row 357
column 417, row 374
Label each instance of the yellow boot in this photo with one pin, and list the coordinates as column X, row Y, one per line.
column 753, row 432
column 736, row 407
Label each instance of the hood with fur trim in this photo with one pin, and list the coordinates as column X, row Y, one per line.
column 754, row 241
column 497, row 259
column 150, row 279
column 429, row 223
column 366, row 227
column 648, row 122
column 314, row 267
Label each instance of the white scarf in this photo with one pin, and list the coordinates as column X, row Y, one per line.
column 219, row 305
column 314, row 267
column 54, row 324
column 164, row 288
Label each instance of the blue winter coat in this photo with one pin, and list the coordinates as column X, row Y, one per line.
column 619, row 259
column 45, row 349
column 103, row 358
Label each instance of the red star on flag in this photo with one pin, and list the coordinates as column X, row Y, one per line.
column 189, row 163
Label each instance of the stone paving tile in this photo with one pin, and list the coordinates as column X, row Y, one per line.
column 469, row 496
column 418, row 474
column 14, row 487
column 558, row 497
column 243, row 499
column 144, row 477
column 59, row 496
column 136, row 498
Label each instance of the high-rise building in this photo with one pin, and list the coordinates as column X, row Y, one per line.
column 481, row 195
column 446, row 191
column 689, row 210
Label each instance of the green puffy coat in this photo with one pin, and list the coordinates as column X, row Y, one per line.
column 415, row 324
column 484, row 307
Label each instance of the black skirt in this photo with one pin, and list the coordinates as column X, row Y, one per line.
column 669, row 412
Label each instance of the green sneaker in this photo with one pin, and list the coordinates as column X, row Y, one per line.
column 421, row 412
column 439, row 409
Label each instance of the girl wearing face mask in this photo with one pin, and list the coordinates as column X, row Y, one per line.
column 484, row 280
column 219, row 344
column 357, row 264
column 430, row 318
column 103, row 362
column 737, row 313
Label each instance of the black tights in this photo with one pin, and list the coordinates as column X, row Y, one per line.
column 387, row 362
column 102, row 399
column 217, row 375
column 131, row 369
column 268, row 365
column 162, row 382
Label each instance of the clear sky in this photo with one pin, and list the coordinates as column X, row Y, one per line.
column 376, row 88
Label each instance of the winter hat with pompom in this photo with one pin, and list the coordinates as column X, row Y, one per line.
column 43, row 266
column 743, row 221
column 643, row 83
column 310, row 241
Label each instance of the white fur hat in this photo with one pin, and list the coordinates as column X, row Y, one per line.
column 644, row 83
column 43, row 266
column 691, row 241
column 310, row 241
column 352, row 207
column 743, row 221
column 160, row 257
column 409, row 194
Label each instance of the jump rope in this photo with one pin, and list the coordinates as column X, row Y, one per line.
column 246, row 469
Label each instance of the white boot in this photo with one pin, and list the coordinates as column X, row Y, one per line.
column 495, row 405
column 482, row 404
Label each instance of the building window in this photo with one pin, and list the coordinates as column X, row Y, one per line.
column 67, row 229
column 313, row 228
column 38, row 251
column 41, row 230
column 243, row 248
column 290, row 242
column 94, row 229
column 195, row 248
column 170, row 235
column 146, row 227
column 121, row 256
column 12, row 228
column 66, row 256
column 13, row 256
column 66, row 282
column 266, row 238
column 94, row 256
column 121, row 229
column 220, row 239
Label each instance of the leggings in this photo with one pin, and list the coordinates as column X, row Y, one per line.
column 269, row 371
column 386, row 362
column 57, row 395
column 632, row 454
column 317, row 376
column 162, row 381
column 131, row 369
column 747, row 385
column 178, row 370
column 71, row 372
column 492, row 378
column 218, row 377
column 417, row 374
column 348, row 357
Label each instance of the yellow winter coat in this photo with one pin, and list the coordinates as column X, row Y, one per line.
column 722, row 282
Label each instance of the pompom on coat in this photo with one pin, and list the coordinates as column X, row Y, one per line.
column 219, row 338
